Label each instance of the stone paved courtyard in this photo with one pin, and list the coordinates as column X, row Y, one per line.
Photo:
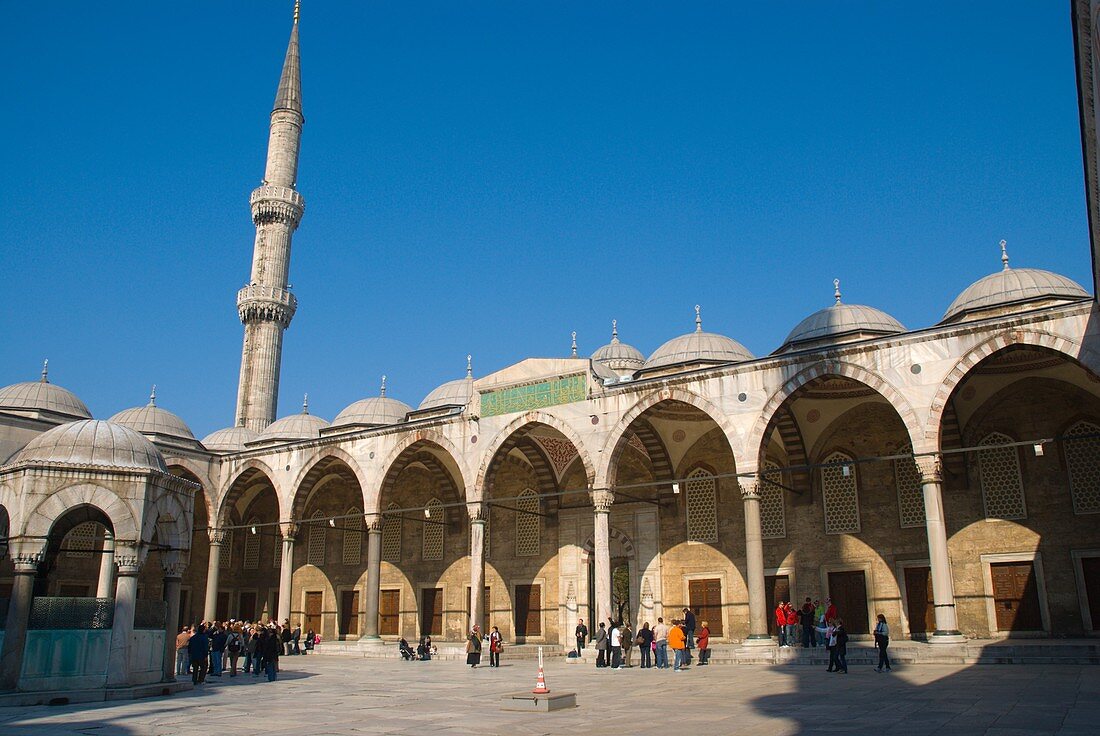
column 320, row 695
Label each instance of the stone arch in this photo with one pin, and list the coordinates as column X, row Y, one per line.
column 843, row 369
column 245, row 475
column 504, row 435
column 40, row 521
column 171, row 521
column 330, row 461
column 425, row 438
column 328, row 453
column 196, row 470
column 614, row 535
column 1068, row 348
column 204, row 488
column 790, row 436
column 618, row 437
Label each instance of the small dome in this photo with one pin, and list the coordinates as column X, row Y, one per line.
column 618, row 356
column 698, row 346
column 303, row 426
column 452, row 393
column 151, row 419
column 841, row 322
column 376, row 410
column 42, row 396
column 230, row 439
column 1009, row 287
column 93, row 442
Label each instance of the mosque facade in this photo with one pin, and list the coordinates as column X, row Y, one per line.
column 947, row 476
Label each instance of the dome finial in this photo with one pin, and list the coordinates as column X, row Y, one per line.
column 297, row 10
column 1004, row 254
column 153, row 396
column 46, row 370
column 836, row 290
column 614, row 332
column 698, row 318
column 574, row 352
column 305, row 403
column 469, row 365
column 382, row 393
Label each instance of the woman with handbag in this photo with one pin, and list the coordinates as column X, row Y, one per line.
column 496, row 644
column 644, row 640
column 473, row 647
column 882, row 640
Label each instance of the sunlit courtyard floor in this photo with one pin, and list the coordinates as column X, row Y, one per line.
column 319, row 695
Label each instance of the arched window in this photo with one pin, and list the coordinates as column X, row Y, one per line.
column 1082, row 451
column 251, row 546
column 528, row 526
column 702, row 506
column 81, row 539
column 391, row 534
column 773, row 520
column 840, row 495
column 910, row 493
column 225, row 562
column 1002, row 484
column 318, row 536
column 353, row 537
column 433, row 531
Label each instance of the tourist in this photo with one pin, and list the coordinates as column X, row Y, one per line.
column 581, row 633
column 819, row 614
column 296, row 637
column 600, row 641
column 688, row 623
column 286, row 637
column 644, row 640
column 828, row 635
column 704, row 644
column 183, row 660
column 660, row 641
column 882, row 640
column 677, row 641
column 198, row 650
column 841, row 647
column 616, row 643
column 628, row 642
column 473, row 647
column 272, row 648
column 806, row 618
column 251, row 659
column 496, row 643
column 311, row 641
column 831, row 612
column 792, row 623
column 407, row 653
column 217, row 649
column 234, row 645
column 781, row 623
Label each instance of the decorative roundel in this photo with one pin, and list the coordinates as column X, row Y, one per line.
column 915, row 369
column 679, row 435
column 742, row 397
column 595, row 419
column 813, row 415
column 473, row 440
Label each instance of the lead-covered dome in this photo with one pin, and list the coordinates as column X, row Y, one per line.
column 302, row 426
column 618, row 356
column 840, row 323
column 93, row 442
column 698, row 347
column 452, row 393
column 375, row 411
column 151, row 419
column 1011, row 287
column 41, row 396
column 230, row 439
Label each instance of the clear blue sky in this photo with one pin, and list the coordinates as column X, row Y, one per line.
column 485, row 177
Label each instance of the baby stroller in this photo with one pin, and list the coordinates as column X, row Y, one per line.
column 406, row 651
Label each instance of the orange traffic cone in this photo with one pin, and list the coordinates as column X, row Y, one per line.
column 540, row 684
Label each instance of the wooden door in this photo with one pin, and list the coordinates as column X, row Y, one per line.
column 705, row 601
column 431, row 611
column 389, row 612
column 919, row 601
column 776, row 588
column 246, row 611
column 1016, row 596
column 221, row 607
column 849, row 593
column 1090, row 567
column 349, row 613
column 528, row 610
column 313, row 612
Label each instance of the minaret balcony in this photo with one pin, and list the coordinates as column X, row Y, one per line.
column 267, row 303
column 272, row 203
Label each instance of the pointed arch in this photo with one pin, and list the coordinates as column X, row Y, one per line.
column 248, row 474
column 506, row 434
column 39, row 522
column 318, row 465
column 437, row 453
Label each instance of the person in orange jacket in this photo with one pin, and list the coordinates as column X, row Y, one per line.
column 677, row 641
column 781, row 623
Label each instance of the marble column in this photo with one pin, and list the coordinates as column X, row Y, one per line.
column 943, row 590
column 374, row 578
column 122, row 629
column 477, row 565
column 213, row 569
column 19, row 614
column 286, row 570
column 602, row 502
column 106, row 586
column 754, row 565
column 173, row 573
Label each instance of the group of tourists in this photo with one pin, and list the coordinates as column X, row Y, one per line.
column 615, row 642
column 204, row 649
column 424, row 650
column 821, row 621
column 474, row 643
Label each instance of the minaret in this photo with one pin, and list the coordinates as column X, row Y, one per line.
column 265, row 305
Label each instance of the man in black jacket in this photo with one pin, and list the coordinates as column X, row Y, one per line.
column 198, row 648
column 582, row 635
column 272, row 648
column 689, row 633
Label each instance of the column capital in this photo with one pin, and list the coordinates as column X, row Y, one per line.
column 289, row 530
column 173, row 564
column 26, row 563
column 930, row 468
column 602, row 500
column 128, row 564
column 217, row 536
column 750, row 490
column 478, row 512
column 373, row 523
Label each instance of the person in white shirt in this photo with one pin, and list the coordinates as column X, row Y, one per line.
column 616, row 647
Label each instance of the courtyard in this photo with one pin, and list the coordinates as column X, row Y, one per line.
column 320, row 695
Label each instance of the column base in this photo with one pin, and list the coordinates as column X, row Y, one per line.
column 947, row 637
column 759, row 640
column 369, row 640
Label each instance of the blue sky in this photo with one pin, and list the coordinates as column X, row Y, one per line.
column 487, row 177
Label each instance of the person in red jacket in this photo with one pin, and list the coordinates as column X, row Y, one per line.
column 830, row 610
column 791, row 617
column 781, row 623
column 704, row 644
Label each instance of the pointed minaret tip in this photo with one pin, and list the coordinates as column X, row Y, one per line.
column 836, row 290
column 698, row 318
column 382, row 393
column 289, row 94
column 153, row 396
column 305, row 403
column 574, row 353
column 1004, row 254
column 297, row 10
column 46, row 370
column 469, row 365
column 614, row 332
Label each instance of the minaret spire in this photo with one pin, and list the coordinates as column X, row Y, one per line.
column 266, row 305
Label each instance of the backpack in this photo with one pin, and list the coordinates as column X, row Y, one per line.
column 234, row 642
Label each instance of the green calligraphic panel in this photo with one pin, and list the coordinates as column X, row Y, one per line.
column 535, row 396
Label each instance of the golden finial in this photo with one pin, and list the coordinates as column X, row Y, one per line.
column 297, row 10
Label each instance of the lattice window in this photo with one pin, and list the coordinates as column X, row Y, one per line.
column 488, row 524
column 225, row 562
column 1082, row 450
column 318, row 537
column 910, row 492
column 81, row 539
column 702, row 506
column 528, row 524
column 353, row 537
column 277, row 555
column 252, row 546
column 433, row 531
column 391, row 534
column 1002, row 484
column 773, row 520
column 840, row 495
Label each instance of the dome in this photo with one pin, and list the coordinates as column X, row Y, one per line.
column 376, row 410
column 618, row 356
column 1012, row 286
column 840, row 321
column 93, row 442
column 301, row 426
column 230, row 439
column 698, row 346
column 42, row 396
column 151, row 419
column 452, row 393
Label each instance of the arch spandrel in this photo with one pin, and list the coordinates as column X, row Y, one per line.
column 516, row 425
column 447, row 459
